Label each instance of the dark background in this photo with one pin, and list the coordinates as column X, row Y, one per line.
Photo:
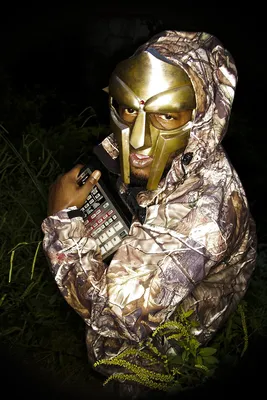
column 74, row 46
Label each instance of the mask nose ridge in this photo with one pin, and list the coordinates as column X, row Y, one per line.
column 140, row 134
column 137, row 138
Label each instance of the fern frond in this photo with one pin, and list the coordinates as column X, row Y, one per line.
column 142, row 372
column 135, row 378
column 171, row 324
column 136, row 352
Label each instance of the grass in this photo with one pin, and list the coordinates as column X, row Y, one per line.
column 37, row 325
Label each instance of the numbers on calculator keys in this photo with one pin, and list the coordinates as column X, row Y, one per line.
column 102, row 222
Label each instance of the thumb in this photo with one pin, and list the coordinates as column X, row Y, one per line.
column 92, row 180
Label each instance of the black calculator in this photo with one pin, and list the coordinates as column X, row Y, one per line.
column 103, row 218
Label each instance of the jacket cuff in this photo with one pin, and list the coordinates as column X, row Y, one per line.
column 75, row 213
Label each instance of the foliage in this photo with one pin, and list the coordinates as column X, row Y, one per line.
column 37, row 327
column 183, row 363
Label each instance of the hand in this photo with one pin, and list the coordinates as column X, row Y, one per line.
column 65, row 192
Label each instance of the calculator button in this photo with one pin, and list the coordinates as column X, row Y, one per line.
column 123, row 233
column 95, row 214
column 108, row 245
column 103, row 237
column 118, row 226
column 103, row 250
column 115, row 240
column 89, row 229
column 110, row 231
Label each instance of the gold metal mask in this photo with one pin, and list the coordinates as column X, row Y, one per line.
column 149, row 87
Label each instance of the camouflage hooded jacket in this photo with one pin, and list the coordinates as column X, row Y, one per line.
column 197, row 245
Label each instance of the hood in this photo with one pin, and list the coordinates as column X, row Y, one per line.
column 213, row 73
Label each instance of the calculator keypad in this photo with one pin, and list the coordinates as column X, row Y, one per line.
column 103, row 222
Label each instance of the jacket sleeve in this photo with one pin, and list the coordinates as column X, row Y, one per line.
column 157, row 265
column 74, row 259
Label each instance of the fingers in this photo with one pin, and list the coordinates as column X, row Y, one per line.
column 65, row 192
column 74, row 172
column 83, row 191
column 71, row 177
column 92, row 180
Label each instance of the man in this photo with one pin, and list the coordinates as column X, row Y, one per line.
column 192, row 241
